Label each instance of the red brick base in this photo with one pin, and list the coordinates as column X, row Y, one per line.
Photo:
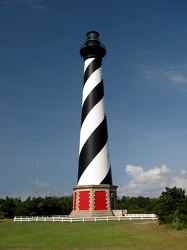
column 94, row 200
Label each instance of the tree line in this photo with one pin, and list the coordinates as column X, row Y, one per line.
column 170, row 207
column 36, row 206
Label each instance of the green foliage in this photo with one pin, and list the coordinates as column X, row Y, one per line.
column 8, row 207
column 2, row 215
column 139, row 205
column 171, row 208
column 66, row 204
column 11, row 207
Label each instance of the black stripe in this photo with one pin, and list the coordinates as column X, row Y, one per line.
column 93, row 146
column 108, row 178
column 92, row 99
column 93, row 66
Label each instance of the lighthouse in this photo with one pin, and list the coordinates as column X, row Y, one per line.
column 94, row 194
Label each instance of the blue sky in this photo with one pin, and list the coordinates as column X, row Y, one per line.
column 41, row 77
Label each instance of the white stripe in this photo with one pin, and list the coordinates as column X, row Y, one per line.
column 91, row 122
column 91, row 83
column 87, row 62
column 97, row 169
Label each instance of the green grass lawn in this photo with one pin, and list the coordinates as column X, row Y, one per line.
column 128, row 235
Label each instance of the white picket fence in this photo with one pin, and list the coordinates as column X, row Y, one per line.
column 63, row 218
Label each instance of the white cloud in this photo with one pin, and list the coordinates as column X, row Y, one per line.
column 175, row 77
column 182, row 172
column 152, row 182
column 42, row 184
column 34, row 4
column 39, row 184
column 176, row 74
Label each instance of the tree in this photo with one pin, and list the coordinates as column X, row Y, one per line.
column 2, row 214
column 8, row 207
column 66, row 204
column 172, row 207
column 139, row 205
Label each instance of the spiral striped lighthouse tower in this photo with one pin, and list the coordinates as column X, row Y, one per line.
column 94, row 195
